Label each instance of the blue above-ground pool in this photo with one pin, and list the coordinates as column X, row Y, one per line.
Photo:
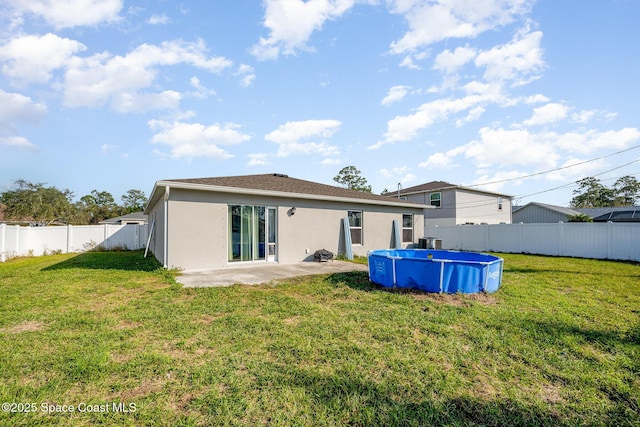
column 435, row 270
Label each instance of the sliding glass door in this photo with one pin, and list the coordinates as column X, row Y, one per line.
column 252, row 231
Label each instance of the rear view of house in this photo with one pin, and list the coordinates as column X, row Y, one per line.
column 210, row 223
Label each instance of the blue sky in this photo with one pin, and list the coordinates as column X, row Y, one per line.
column 113, row 95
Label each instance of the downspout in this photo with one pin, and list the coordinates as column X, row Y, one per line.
column 166, row 226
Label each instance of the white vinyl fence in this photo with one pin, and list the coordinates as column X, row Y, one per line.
column 619, row 241
column 35, row 241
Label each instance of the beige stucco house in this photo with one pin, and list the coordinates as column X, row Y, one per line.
column 207, row 223
column 457, row 205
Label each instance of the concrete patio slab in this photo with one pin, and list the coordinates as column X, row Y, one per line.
column 262, row 273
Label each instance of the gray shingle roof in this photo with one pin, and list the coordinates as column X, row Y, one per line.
column 438, row 186
column 284, row 183
column 429, row 186
column 559, row 209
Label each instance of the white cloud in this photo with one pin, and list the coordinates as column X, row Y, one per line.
column 247, row 75
column 437, row 161
column 407, row 62
column 17, row 142
column 33, row 58
column 390, row 173
column 536, row 99
column 498, row 180
column 512, row 147
column 518, row 61
column 291, row 23
column 258, row 159
column 331, row 161
column 505, row 148
column 140, row 102
column 442, row 160
column 436, row 20
column 200, row 90
column 576, row 169
column 583, row 116
column 293, row 137
column 190, row 140
column 450, row 62
column 158, row 20
column 70, row 13
column 404, row 128
column 593, row 140
column 400, row 174
column 295, row 131
column 15, row 107
column 474, row 114
column 395, row 94
column 586, row 116
column 549, row 113
column 408, row 178
column 118, row 80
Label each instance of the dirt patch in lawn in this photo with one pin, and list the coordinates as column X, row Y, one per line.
column 458, row 300
column 28, row 326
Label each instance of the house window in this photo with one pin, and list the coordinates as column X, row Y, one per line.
column 355, row 226
column 435, row 199
column 407, row 228
column 499, row 203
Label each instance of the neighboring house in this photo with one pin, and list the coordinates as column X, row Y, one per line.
column 618, row 214
column 132, row 218
column 535, row 212
column 216, row 222
column 455, row 205
column 4, row 220
column 613, row 214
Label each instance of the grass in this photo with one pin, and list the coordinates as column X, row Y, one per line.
column 557, row 345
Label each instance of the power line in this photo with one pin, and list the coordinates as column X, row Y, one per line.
column 575, row 183
column 472, row 205
column 554, row 170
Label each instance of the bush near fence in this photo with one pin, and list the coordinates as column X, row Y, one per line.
column 616, row 241
column 34, row 241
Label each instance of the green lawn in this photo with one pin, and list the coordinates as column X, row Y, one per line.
column 558, row 344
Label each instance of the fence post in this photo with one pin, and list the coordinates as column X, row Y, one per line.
column 69, row 236
column 17, row 241
column 3, row 234
column 560, row 238
column 609, row 239
column 521, row 238
column 486, row 238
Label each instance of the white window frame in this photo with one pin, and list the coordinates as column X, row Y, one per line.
column 439, row 194
column 360, row 227
column 407, row 228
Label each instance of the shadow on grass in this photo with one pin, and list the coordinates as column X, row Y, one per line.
column 355, row 400
column 117, row 260
column 560, row 331
column 359, row 280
